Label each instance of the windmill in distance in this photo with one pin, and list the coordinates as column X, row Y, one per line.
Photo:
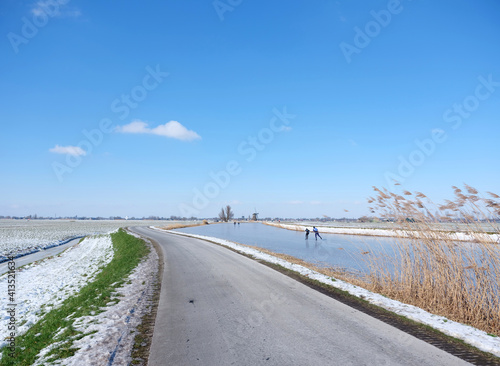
column 255, row 215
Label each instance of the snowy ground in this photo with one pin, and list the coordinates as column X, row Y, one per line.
column 460, row 236
column 115, row 327
column 44, row 286
column 47, row 284
column 468, row 334
column 23, row 236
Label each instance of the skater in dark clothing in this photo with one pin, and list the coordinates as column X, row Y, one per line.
column 316, row 233
column 307, row 233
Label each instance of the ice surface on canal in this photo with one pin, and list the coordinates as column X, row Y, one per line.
column 344, row 251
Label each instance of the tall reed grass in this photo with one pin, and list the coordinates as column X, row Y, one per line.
column 434, row 270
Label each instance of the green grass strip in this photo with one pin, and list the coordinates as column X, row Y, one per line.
column 57, row 325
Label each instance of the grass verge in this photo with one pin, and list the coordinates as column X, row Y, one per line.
column 56, row 327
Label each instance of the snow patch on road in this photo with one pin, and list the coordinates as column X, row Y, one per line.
column 468, row 334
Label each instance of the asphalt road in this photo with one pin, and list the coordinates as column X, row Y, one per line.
column 220, row 308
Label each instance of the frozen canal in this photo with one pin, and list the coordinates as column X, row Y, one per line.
column 344, row 251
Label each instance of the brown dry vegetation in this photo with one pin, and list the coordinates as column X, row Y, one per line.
column 432, row 269
column 180, row 225
column 447, row 277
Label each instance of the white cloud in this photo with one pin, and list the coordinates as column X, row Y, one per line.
column 68, row 150
column 134, row 127
column 55, row 8
column 172, row 129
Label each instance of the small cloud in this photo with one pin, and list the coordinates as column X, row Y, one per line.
column 175, row 130
column 285, row 128
column 56, row 8
column 315, row 202
column 68, row 150
column 134, row 127
column 172, row 129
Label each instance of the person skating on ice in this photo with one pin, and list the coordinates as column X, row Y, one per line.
column 316, row 233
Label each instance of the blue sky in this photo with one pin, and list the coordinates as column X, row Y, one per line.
column 294, row 108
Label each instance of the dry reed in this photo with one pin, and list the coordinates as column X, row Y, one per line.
column 180, row 225
column 433, row 269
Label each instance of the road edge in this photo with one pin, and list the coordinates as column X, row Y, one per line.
column 145, row 331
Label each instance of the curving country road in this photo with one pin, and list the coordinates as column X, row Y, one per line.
column 218, row 307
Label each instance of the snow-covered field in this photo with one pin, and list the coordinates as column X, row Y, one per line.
column 468, row 334
column 44, row 286
column 115, row 327
column 21, row 236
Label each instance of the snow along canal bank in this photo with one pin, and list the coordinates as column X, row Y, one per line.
column 468, row 334
column 41, row 287
column 459, row 236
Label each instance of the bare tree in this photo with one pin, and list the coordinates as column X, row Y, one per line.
column 222, row 215
column 226, row 214
column 229, row 213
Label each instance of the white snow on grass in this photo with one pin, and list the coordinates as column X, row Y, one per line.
column 21, row 236
column 459, row 236
column 468, row 334
column 114, row 336
column 43, row 286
